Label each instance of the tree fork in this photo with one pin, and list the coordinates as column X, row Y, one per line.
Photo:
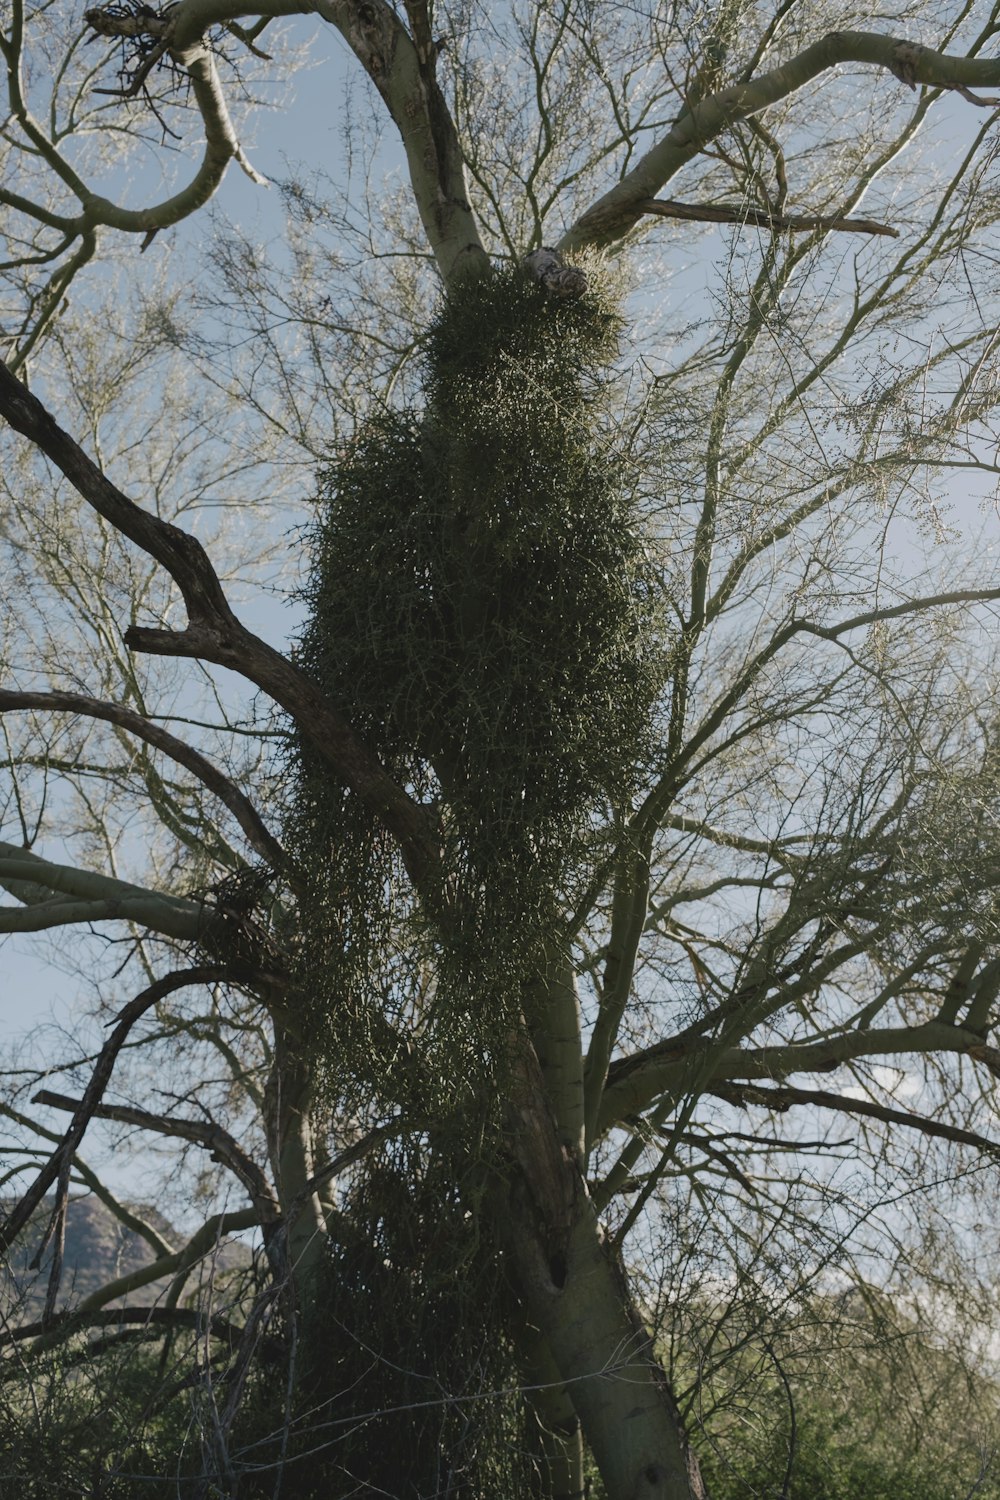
column 580, row 1302
column 574, row 1291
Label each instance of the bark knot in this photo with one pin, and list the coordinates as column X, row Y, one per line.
column 905, row 61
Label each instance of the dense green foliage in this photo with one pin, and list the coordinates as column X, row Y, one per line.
column 406, row 1384
column 92, row 1424
column 480, row 607
column 838, row 1457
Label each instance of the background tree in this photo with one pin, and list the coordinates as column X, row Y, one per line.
column 618, row 783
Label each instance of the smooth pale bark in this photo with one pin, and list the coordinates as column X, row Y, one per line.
column 221, row 147
column 555, row 1436
column 613, row 215
column 553, row 1011
column 574, row 1292
column 577, row 1297
column 287, row 1103
column 552, row 1006
column 402, row 67
column 55, row 895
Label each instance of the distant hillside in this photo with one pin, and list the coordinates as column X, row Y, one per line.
column 99, row 1248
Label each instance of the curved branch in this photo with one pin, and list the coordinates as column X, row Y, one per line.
column 221, row 147
column 183, row 557
column 613, row 215
column 215, row 634
column 228, row 793
column 50, row 300
column 89, row 1178
column 46, row 915
column 221, row 143
column 223, row 1147
column 402, row 68
column 59, row 1161
column 201, row 1243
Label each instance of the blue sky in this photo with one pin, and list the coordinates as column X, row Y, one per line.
column 34, row 989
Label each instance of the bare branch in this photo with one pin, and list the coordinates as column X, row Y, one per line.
column 218, row 1142
column 165, row 1318
column 743, row 215
column 59, row 1161
column 215, row 634
column 89, row 1178
column 126, row 718
column 785, row 1097
column 86, row 896
column 201, row 1243
column 669, row 1066
column 613, row 215
column 403, row 71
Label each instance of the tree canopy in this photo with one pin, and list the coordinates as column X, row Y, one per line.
column 499, row 712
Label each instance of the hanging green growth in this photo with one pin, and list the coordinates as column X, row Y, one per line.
column 478, row 608
column 406, row 1374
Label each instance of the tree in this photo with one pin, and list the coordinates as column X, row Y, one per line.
column 848, row 1400
column 617, row 783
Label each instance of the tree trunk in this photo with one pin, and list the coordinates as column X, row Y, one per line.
column 574, row 1292
column 290, row 1146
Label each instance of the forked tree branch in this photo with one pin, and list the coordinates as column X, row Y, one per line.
column 667, row 1068
column 185, row 755
column 619, row 210
column 347, row 1158
column 214, row 634
column 57, row 895
column 402, row 68
column 88, row 1178
column 201, row 1243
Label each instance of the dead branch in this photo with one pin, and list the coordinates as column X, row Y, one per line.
column 222, row 1146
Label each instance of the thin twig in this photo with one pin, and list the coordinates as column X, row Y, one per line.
column 101, row 1076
